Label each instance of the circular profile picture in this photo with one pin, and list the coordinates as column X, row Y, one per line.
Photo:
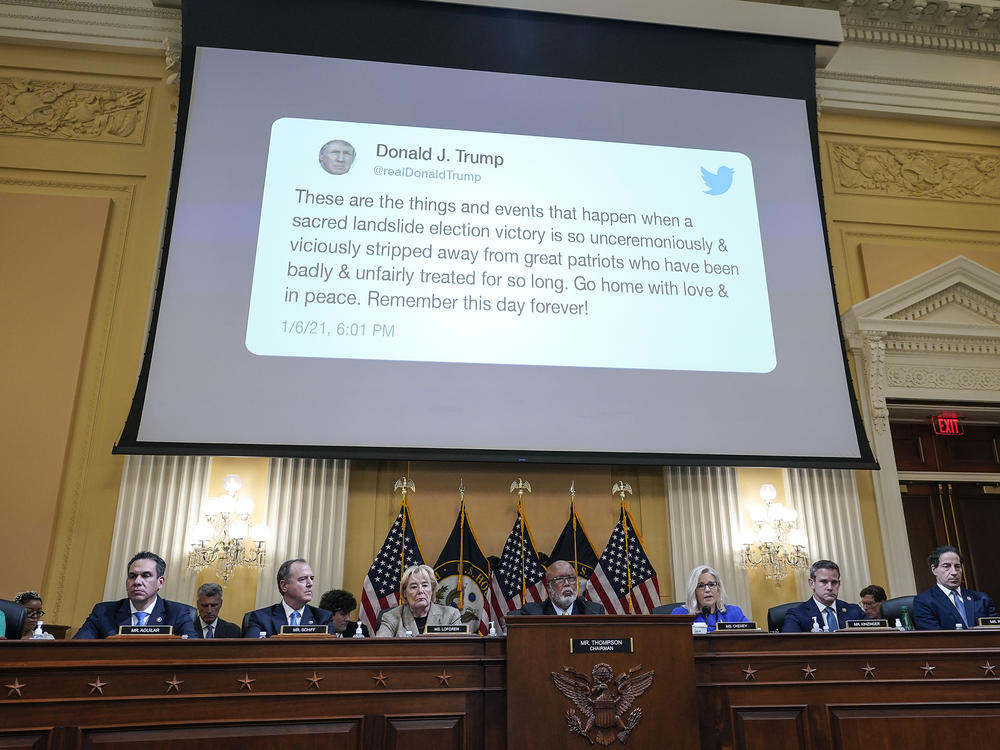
column 336, row 157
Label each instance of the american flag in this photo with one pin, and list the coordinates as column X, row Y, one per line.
column 519, row 566
column 399, row 551
column 624, row 561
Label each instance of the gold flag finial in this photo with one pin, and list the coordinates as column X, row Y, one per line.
column 621, row 489
column 405, row 485
column 522, row 486
column 461, row 489
column 572, row 490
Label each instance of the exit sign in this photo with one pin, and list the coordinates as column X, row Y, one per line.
column 947, row 424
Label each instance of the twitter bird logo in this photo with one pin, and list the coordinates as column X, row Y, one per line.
column 719, row 182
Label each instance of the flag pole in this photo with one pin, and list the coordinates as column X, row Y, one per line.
column 461, row 546
column 521, row 486
column 620, row 488
column 572, row 513
column 404, row 485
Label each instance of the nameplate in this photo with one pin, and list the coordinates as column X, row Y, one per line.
column 305, row 630
column 446, row 630
column 145, row 630
column 989, row 622
column 600, row 646
column 865, row 624
column 721, row 626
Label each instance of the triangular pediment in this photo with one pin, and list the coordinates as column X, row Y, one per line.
column 958, row 293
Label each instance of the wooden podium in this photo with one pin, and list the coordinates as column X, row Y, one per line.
column 602, row 692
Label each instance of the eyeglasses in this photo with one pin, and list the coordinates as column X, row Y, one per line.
column 558, row 580
column 707, row 585
column 34, row 612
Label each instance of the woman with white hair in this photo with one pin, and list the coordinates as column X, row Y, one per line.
column 706, row 599
column 418, row 609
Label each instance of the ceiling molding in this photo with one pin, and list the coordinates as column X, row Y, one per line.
column 915, row 59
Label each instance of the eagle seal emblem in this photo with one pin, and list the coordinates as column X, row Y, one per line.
column 603, row 700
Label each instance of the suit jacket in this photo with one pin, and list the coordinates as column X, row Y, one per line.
column 397, row 621
column 105, row 618
column 223, row 629
column 800, row 619
column 271, row 619
column 932, row 610
column 580, row 607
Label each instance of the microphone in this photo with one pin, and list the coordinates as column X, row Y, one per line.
column 705, row 612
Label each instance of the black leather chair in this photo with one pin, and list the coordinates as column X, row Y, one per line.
column 776, row 615
column 666, row 609
column 893, row 608
column 15, row 615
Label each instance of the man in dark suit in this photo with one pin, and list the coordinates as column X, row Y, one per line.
column 208, row 624
column 143, row 605
column 946, row 604
column 341, row 603
column 295, row 582
column 824, row 608
column 560, row 583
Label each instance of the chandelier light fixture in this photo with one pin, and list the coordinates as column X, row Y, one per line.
column 774, row 544
column 224, row 536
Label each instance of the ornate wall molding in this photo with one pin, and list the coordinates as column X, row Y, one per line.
column 863, row 169
column 873, row 353
column 73, row 110
column 125, row 25
column 943, row 377
column 960, row 295
column 972, row 27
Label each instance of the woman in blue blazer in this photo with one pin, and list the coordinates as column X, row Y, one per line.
column 706, row 599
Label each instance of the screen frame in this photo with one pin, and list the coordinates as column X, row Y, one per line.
column 468, row 37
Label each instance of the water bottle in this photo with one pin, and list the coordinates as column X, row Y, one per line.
column 899, row 625
column 357, row 632
column 493, row 628
column 907, row 620
column 262, row 634
column 38, row 633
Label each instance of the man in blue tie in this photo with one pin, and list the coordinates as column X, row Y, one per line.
column 947, row 604
column 143, row 605
column 824, row 608
column 295, row 582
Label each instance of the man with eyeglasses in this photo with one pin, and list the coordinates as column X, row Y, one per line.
column 560, row 583
column 824, row 608
column 32, row 603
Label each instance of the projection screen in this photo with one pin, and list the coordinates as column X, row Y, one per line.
column 405, row 229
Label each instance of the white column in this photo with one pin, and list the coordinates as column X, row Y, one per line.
column 703, row 507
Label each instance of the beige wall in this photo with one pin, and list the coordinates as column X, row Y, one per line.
column 95, row 126
column 901, row 196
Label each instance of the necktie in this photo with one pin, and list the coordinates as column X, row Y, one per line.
column 960, row 606
column 831, row 618
column 294, row 617
column 210, row 631
column 140, row 618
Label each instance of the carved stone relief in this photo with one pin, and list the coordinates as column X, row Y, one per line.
column 915, row 173
column 73, row 110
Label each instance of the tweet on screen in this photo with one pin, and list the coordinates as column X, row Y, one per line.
column 388, row 242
